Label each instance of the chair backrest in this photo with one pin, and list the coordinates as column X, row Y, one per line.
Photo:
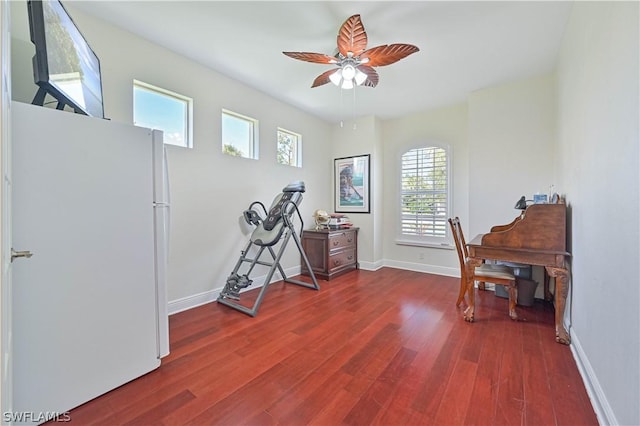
column 461, row 246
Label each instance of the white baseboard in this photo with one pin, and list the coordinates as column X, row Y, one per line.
column 371, row 266
column 421, row 267
column 193, row 301
column 203, row 298
column 599, row 401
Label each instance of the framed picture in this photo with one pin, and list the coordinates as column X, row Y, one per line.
column 352, row 184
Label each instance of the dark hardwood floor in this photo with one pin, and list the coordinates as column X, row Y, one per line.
column 386, row 347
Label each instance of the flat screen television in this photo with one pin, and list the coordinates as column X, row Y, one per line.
column 64, row 65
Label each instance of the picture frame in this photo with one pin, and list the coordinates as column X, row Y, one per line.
column 352, row 184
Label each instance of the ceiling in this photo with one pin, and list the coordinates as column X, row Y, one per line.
column 464, row 46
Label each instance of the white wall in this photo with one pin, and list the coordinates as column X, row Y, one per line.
column 209, row 190
column 511, row 140
column 597, row 166
column 361, row 137
column 512, row 136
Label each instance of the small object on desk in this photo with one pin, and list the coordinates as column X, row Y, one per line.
column 522, row 203
column 321, row 218
column 540, row 199
column 339, row 221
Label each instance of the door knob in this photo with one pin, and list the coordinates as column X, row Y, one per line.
column 16, row 254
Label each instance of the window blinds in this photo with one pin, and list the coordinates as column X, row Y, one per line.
column 424, row 192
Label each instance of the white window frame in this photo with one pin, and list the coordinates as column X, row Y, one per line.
column 253, row 143
column 297, row 150
column 440, row 241
column 187, row 119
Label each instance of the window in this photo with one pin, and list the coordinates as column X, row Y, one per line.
column 164, row 110
column 424, row 196
column 289, row 148
column 239, row 135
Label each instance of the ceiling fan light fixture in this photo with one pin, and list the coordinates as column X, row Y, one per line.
column 347, row 84
column 348, row 72
column 353, row 53
column 347, row 77
column 360, row 77
column 336, row 77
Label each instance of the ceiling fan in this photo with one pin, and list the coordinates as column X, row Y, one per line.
column 354, row 61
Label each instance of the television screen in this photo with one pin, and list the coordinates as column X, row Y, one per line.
column 64, row 65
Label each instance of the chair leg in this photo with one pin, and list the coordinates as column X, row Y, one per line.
column 463, row 290
column 513, row 298
column 470, row 311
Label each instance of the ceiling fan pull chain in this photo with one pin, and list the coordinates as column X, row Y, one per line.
column 341, row 108
column 353, row 109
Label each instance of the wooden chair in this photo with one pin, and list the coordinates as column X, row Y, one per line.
column 496, row 274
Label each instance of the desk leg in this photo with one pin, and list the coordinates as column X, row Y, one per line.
column 547, row 293
column 561, row 276
column 470, row 267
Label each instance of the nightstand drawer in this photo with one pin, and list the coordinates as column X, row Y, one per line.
column 341, row 259
column 342, row 240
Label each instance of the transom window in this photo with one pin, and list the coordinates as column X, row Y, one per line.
column 289, row 148
column 424, row 196
column 239, row 135
column 162, row 109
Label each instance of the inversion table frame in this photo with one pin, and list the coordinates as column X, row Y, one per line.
column 289, row 231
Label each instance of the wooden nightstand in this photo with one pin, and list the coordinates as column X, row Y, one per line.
column 330, row 252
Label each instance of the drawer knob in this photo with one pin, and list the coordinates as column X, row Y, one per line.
column 350, row 240
column 335, row 243
column 350, row 257
column 336, row 262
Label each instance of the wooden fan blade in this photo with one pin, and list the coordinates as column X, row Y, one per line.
column 352, row 37
column 317, row 58
column 372, row 76
column 322, row 78
column 387, row 54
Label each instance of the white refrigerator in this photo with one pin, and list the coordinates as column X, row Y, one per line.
column 89, row 308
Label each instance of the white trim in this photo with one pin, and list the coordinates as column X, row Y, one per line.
column 415, row 243
column 254, row 142
column 421, row 267
column 599, row 401
column 298, row 146
column 193, row 301
column 160, row 91
column 427, row 241
column 371, row 266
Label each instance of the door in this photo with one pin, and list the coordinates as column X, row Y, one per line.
column 5, row 214
column 84, row 306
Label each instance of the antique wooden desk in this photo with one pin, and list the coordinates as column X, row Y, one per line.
column 537, row 237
